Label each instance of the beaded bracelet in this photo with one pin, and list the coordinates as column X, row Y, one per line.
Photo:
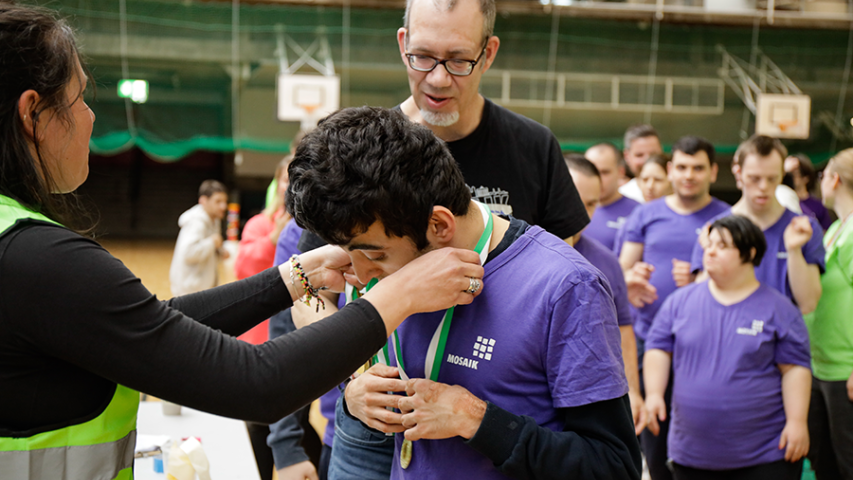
column 296, row 271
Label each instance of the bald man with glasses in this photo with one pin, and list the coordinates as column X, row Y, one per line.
column 511, row 163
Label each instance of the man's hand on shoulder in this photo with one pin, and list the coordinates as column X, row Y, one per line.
column 367, row 396
column 436, row 410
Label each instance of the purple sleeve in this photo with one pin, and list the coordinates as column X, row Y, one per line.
column 660, row 334
column 620, row 298
column 792, row 343
column 583, row 357
column 287, row 241
column 813, row 250
column 696, row 257
column 635, row 228
column 618, row 240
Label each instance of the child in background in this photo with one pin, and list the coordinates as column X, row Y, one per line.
column 199, row 245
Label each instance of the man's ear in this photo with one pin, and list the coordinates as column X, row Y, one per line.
column 442, row 227
column 714, row 170
column 492, row 46
column 401, row 42
column 26, row 106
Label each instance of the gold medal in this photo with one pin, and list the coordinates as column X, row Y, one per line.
column 406, row 454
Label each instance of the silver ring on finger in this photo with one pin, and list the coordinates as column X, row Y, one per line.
column 473, row 285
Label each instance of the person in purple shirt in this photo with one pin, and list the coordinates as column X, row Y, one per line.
column 795, row 253
column 525, row 382
column 291, row 446
column 588, row 182
column 740, row 351
column 615, row 207
column 655, row 256
column 805, row 180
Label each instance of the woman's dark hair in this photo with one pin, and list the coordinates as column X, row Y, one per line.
column 807, row 170
column 37, row 52
column 366, row 164
column 745, row 236
column 659, row 159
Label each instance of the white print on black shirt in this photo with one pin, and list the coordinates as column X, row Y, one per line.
column 495, row 198
column 756, row 328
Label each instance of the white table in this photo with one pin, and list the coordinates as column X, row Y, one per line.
column 225, row 441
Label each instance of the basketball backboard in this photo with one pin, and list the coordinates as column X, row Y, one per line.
column 307, row 97
column 783, row 116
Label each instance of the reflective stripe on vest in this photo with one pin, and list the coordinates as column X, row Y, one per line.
column 99, row 449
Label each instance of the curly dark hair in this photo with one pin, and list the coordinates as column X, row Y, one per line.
column 366, row 164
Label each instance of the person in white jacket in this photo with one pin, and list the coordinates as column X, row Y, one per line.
column 199, row 245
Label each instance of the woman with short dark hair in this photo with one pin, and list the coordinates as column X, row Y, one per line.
column 741, row 355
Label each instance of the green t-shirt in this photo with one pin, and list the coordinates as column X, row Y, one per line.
column 831, row 324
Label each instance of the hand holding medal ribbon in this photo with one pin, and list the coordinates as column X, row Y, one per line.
column 370, row 396
column 436, row 351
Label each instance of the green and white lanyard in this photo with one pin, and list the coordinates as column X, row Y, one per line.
column 439, row 338
column 353, row 294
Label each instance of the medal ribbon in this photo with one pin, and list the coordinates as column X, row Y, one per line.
column 439, row 338
column 353, row 294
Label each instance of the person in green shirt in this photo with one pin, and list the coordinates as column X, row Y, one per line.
column 831, row 331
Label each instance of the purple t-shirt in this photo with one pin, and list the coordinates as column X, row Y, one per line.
column 607, row 221
column 773, row 270
column 665, row 235
column 530, row 344
column 286, row 246
column 727, row 409
column 603, row 259
column 814, row 208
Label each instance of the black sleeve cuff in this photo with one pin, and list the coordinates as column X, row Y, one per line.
column 498, row 434
column 375, row 321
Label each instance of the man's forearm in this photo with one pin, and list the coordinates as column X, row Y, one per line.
column 598, row 441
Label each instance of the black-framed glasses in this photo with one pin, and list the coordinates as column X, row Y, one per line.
column 454, row 66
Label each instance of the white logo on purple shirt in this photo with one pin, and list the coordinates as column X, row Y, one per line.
column 618, row 223
column 483, row 347
column 756, row 328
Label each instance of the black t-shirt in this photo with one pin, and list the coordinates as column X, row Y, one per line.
column 74, row 321
column 515, row 166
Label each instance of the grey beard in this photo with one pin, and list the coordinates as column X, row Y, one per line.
column 439, row 119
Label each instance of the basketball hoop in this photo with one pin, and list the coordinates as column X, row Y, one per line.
column 786, row 125
column 311, row 118
column 307, row 98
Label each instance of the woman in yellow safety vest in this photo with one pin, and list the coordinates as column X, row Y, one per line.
column 80, row 335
